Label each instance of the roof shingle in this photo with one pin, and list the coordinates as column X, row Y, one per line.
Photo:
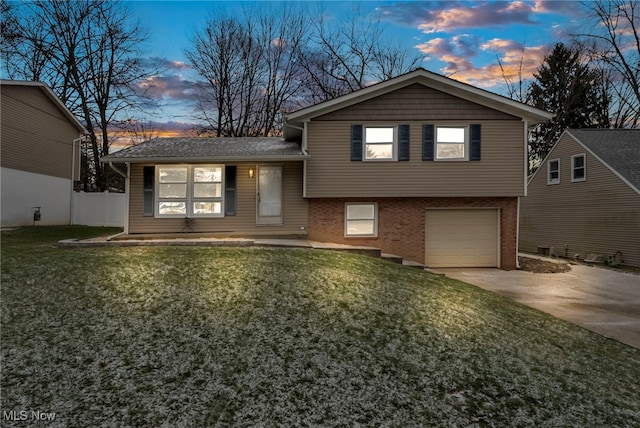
column 209, row 149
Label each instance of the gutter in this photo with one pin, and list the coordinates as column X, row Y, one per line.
column 305, row 152
column 119, row 171
column 194, row 159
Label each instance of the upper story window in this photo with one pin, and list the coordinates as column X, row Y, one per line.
column 189, row 191
column 452, row 143
column 553, row 171
column 380, row 143
column 578, row 168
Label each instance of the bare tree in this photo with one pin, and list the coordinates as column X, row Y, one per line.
column 614, row 43
column 250, row 70
column 282, row 35
column 516, row 88
column 351, row 56
column 223, row 54
column 88, row 52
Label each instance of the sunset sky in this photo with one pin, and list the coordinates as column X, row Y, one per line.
column 460, row 39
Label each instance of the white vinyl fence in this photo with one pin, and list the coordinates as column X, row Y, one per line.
column 99, row 209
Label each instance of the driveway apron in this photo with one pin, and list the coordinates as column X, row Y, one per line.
column 601, row 300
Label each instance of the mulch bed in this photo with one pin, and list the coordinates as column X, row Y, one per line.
column 542, row 266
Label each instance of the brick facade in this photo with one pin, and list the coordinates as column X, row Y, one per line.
column 401, row 223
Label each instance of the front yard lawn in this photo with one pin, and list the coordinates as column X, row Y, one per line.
column 184, row 336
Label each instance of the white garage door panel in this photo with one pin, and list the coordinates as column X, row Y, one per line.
column 461, row 238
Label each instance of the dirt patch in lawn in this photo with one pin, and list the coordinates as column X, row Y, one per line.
column 542, row 266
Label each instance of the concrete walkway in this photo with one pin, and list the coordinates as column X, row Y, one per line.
column 601, row 300
column 233, row 242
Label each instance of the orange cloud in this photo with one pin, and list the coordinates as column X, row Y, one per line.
column 516, row 59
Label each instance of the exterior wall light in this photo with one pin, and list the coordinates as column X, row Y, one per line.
column 251, row 172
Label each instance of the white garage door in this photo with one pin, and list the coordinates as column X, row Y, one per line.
column 461, row 238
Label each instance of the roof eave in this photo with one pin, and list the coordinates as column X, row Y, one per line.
column 53, row 97
column 196, row 159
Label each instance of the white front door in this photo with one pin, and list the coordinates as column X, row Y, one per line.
column 269, row 194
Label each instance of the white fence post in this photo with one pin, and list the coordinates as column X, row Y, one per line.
column 99, row 209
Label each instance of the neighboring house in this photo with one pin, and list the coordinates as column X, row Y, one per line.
column 585, row 199
column 40, row 147
column 421, row 166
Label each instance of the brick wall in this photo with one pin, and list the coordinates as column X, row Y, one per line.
column 401, row 223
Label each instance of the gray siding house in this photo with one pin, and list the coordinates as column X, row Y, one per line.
column 420, row 165
column 585, row 197
column 40, row 150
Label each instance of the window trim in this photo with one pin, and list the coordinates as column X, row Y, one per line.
column 374, row 219
column 584, row 168
column 190, row 198
column 466, row 143
column 394, row 143
column 551, row 181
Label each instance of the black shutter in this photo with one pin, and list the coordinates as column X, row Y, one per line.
column 428, row 139
column 403, row 143
column 148, row 181
column 356, row 142
column 230, row 190
column 475, row 131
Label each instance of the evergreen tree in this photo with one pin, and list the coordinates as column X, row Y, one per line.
column 569, row 87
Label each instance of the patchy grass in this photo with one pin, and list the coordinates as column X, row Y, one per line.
column 161, row 336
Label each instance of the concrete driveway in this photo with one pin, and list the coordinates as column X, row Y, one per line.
column 601, row 300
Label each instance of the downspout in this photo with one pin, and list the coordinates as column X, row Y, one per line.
column 119, row 171
column 526, row 185
column 518, row 234
column 526, row 156
column 73, row 176
column 305, row 152
column 125, row 175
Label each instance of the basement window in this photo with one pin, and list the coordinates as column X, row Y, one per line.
column 361, row 220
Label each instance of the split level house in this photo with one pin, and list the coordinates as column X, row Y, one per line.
column 421, row 166
column 39, row 155
column 584, row 199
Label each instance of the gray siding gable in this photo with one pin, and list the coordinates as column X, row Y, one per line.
column 619, row 149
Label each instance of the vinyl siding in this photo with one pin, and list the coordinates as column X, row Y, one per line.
column 36, row 136
column 331, row 173
column 244, row 222
column 598, row 216
column 415, row 102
